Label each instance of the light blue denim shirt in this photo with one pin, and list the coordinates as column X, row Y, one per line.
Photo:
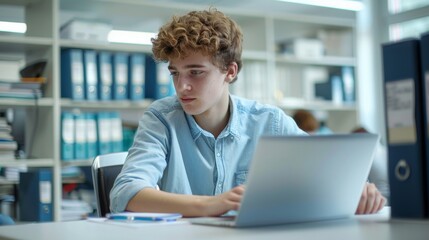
column 171, row 151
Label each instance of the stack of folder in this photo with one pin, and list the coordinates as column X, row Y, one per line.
column 86, row 135
column 102, row 75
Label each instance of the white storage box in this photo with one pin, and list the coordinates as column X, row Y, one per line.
column 78, row 29
column 306, row 47
column 303, row 47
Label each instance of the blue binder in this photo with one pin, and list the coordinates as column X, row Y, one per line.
column 67, row 136
column 403, row 110
column 158, row 81
column 104, row 73
column 116, row 132
column 136, row 76
column 72, row 74
column 91, row 78
column 104, row 133
column 323, row 90
column 424, row 43
column 91, row 135
column 349, row 84
column 80, row 137
column 337, row 89
column 120, row 76
column 35, row 195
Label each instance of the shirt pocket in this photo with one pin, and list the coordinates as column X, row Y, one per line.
column 240, row 177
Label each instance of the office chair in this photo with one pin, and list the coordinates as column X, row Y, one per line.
column 105, row 169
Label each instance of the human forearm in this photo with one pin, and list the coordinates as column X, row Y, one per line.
column 151, row 200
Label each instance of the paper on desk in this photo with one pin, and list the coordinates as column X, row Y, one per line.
column 134, row 224
column 382, row 215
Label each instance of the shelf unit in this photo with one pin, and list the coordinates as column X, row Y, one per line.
column 262, row 31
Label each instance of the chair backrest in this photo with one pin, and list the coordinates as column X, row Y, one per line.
column 105, row 169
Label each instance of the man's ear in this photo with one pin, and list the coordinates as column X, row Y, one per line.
column 231, row 72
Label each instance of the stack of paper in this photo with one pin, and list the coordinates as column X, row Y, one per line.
column 74, row 210
column 24, row 90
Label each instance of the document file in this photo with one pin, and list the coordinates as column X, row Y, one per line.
column 405, row 138
column 104, row 73
column 120, row 76
column 136, row 76
column 104, row 133
column 67, row 136
column 116, row 132
column 35, row 195
column 80, row 132
column 90, row 69
column 91, row 135
column 424, row 91
column 158, row 81
column 72, row 74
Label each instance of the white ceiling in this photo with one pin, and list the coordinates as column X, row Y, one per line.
column 262, row 7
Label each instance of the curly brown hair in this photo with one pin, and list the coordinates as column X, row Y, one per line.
column 209, row 32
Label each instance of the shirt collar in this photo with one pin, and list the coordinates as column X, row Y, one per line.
column 230, row 129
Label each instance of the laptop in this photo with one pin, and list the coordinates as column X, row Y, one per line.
column 303, row 178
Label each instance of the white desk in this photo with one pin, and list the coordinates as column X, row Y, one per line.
column 377, row 227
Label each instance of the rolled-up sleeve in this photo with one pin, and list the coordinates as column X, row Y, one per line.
column 145, row 163
column 287, row 126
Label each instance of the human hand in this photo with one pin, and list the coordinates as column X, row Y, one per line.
column 222, row 203
column 371, row 200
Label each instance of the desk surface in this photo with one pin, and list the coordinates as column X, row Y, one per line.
column 377, row 227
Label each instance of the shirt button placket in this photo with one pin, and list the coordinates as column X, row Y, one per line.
column 221, row 170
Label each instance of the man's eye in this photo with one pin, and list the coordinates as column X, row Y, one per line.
column 196, row 72
column 174, row 74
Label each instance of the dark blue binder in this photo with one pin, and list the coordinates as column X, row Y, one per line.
column 35, row 195
column 104, row 73
column 120, row 76
column 91, row 78
column 323, row 90
column 72, row 74
column 424, row 47
column 136, row 76
column 158, row 81
column 67, row 136
column 403, row 111
column 331, row 90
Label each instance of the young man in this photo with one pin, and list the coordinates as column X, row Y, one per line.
column 196, row 146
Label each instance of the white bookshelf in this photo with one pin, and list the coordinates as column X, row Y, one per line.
column 263, row 30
